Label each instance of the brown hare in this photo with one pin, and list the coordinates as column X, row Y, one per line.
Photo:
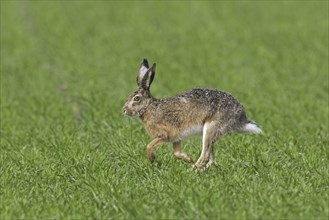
column 209, row 112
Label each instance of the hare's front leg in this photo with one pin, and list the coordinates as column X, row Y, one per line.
column 180, row 154
column 151, row 147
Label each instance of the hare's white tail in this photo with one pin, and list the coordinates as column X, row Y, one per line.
column 251, row 127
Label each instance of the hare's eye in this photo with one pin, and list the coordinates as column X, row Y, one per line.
column 137, row 98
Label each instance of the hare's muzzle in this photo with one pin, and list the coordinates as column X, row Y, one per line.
column 126, row 111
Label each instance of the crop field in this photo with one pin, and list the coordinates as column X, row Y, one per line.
column 68, row 152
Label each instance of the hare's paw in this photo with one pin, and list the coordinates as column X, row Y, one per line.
column 183, row 156
column 209, row 163
column 188, row 159
column 197, row 168
column 151, row 157
column 202, row 164
column 193, row 169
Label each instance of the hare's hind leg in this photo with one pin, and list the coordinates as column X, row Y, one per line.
column 211, row 132
column 180, row 154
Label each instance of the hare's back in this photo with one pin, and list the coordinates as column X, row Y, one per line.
column 210, row 99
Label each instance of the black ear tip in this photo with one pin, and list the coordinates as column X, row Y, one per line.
column 145, row 62
column 153, row 67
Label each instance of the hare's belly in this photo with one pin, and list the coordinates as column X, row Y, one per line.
column 194, row 130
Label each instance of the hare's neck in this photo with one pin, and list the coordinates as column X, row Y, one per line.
column 147, row 111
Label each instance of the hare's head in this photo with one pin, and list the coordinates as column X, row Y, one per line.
column 139, row 100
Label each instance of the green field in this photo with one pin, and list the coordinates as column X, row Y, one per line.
column 68, row 152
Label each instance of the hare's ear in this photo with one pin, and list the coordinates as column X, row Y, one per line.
column 143, row 68
column 148, row 78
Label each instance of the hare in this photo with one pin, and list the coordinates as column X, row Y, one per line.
column 209, row 112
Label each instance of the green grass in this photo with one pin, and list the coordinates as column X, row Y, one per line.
column 67, row 151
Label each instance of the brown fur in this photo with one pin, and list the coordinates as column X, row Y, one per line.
column 208, row 111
